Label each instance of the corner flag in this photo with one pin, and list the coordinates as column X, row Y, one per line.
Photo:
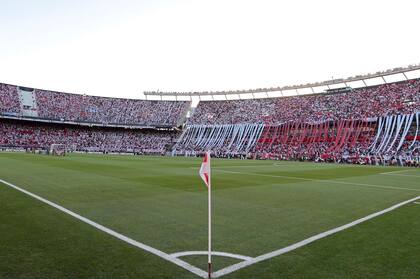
column 205, row 173
column 205, row 169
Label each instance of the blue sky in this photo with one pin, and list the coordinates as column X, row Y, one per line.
column 121, row 48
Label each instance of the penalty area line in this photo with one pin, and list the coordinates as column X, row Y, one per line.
column 161, row 254
column 321, row 180
column 399, row 174
column 398, row 171
column 307, row 241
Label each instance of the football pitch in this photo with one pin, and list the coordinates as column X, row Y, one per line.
column 97, row 216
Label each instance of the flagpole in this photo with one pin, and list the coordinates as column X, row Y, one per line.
column 205, row 173
column 209, row 215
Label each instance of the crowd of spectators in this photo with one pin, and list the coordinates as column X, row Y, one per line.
column 363, row 104
column 73, row 107
column 393, row 98
column 226, row 150
column 9, row 99
column 18, row 134
column 84, row 108
column 353, row 149
column 347, row 141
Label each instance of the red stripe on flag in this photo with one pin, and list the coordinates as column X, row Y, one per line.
column 205, row 169
column 206, row 175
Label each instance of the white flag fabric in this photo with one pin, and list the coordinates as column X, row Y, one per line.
column 205, row 169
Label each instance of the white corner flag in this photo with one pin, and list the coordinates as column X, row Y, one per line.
column 205, row 173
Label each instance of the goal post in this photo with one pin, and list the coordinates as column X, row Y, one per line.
column 58, row 149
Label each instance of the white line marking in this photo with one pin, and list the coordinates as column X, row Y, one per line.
column 322, row 180
column 397, row 174
column 304, row 242
column 417, row 202
column 213, row 253
column 115, row 234
column 300, row 165
column 259, row 166
column 389, row 172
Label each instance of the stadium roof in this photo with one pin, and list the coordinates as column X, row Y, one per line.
column 372, row 79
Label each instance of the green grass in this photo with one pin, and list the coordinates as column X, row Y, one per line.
column 259, row 206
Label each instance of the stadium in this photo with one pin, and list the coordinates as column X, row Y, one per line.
column 313, row 180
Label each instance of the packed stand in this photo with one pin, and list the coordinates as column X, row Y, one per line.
column 328, row 141
column 73, row 107
column 9, row 99
column 394, row 98
column 16, row 135
column 223, row 140
column 345, row 141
